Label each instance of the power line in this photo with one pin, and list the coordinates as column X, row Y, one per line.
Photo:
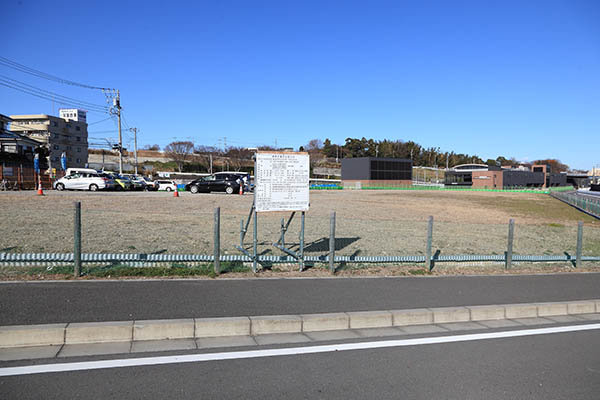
column 25, row 69
column 102, row 120
column 56, row 96
column 125, row 123
column 49, row 98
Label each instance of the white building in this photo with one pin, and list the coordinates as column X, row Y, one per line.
column 66, row 134
column 72, row 114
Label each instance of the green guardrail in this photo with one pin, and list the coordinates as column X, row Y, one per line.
column 583, row 203
column 326, row 188
column 463, row 189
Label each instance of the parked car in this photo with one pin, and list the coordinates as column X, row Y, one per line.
column 150, row 184
column 138, row 182
column 122, row 183
column 110, row 179
column 244, row 176
column 83, row 181
column 228, row 183
column 71, row 171
column 169, row 186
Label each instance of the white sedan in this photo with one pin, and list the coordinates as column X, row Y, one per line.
column 82, row 181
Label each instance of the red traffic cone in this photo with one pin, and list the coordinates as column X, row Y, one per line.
column 176, row 192
column 40, row 191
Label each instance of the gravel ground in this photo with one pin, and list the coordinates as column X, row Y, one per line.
column 385, row 222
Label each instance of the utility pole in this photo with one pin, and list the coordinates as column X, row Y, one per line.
column 117, row 107
column 135, row 130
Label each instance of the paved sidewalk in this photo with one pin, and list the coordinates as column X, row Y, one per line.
column 246, row 341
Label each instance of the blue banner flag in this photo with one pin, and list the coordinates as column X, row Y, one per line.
column 36, row 163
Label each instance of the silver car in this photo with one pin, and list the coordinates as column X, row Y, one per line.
column 82, row 181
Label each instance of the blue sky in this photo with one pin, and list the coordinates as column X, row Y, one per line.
column 508, row 78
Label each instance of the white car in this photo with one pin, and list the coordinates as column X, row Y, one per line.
column 169, row 186
column 83, row 181
column 71, row 171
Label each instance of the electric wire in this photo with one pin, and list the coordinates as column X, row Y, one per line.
column 46, row 97
column 25, row 69
column 97, row 122
column 56, row 96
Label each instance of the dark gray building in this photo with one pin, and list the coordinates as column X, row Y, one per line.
column 373, row 171
column 516, row 178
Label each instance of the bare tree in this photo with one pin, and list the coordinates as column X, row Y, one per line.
column 314, row 145
column 204, row 155
column 179, row 152
column 153, row 147
column 315, row 149
column 239, row 157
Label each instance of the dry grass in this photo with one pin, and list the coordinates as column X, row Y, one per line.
column 368, row 223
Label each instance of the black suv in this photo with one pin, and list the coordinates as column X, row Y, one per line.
column 221, row 182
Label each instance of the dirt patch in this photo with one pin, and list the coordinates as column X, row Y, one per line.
column 369, row 223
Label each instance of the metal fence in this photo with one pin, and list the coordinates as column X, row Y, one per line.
column 16, row 176
column 585, row 203
column 251, row 255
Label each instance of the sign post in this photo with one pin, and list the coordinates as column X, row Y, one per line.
column 281, row 183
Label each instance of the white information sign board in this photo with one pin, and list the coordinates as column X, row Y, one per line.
column 281, row 181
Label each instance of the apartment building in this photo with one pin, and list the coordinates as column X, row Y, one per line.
column 65, row 134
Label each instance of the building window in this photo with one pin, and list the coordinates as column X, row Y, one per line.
column 78, row 137
column 79, row 149
column 77, row 128
column 56, row 147
column 79, row 160
column 54, row 123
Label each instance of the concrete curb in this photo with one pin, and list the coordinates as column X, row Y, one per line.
column 194, row 328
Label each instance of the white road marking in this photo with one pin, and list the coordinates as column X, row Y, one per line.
column 234, row 355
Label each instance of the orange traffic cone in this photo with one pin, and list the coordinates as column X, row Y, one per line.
column 241, row 188
column 176, row 192
column 40, row 191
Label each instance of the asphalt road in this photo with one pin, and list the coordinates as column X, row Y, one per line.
column 556, row 366
column 86, row 301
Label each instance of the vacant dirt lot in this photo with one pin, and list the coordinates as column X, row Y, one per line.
column 368, row 223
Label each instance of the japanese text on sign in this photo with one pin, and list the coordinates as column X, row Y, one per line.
column 281, row 181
